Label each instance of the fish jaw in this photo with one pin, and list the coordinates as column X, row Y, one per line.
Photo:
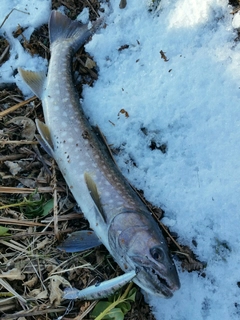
column 156, row 276
column 136, row 242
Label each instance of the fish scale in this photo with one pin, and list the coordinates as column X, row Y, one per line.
column 117, row 215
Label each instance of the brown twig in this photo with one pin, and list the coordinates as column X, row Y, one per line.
column 4, row 53
column 18, row 142
column 16, row 106
column 55, row 204
column 8, row 15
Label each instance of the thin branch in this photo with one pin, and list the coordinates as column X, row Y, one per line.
column 16, row 106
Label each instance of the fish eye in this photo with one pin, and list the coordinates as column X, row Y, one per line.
column 157, row 254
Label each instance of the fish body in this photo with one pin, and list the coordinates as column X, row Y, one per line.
column 118, row 216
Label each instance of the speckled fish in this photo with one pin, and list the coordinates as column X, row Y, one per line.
column 119, row 218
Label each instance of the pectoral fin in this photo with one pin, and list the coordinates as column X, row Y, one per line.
column 79, row 241
column 91, row 185
column 44, row 137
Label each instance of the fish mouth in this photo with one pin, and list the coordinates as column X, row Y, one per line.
column 160, row 283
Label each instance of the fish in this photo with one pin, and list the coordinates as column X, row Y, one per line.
column 119, row 218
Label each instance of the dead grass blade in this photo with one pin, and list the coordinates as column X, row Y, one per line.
column 7, row 16
column 86, row 265
column 65, row 217
column 81, row 316
column 28, row 190
column 15, row 246
column 32, row 312
column 5, row 52
column 9, row 288
column 17, row 222
column 18, row 142
column 55, row 204
column 33, row 234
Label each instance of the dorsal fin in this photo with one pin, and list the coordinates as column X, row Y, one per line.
column 103, row 139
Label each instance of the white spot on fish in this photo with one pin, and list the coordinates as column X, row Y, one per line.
column 56, row 108
column 64, row 124
column 70, row 140
column 107, row 194
column 63, row 134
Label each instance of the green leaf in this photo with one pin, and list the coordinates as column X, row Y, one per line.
column 99, row 308
column 116, row 314
column 132, row 294
column 31, row 211
column 3, row 231
column 116, row 306
column 124, row 306
column 33, row 207
column 47, row 207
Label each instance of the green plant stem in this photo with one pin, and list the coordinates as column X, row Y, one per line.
column 120, row 299
column 23, row 203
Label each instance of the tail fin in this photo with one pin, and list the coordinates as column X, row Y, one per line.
column 61, row 27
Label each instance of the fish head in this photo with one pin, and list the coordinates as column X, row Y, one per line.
column 156, row 271
column 138, row 243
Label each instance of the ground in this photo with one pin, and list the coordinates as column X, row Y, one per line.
column 32, row 187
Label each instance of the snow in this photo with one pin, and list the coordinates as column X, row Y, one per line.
column 190, row 103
